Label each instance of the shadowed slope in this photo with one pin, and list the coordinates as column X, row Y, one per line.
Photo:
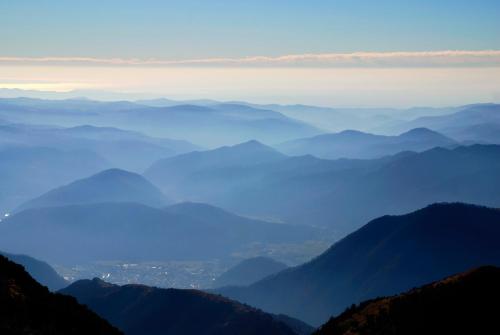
column 40, row 271
column 27, row 307
column 138, row 309
column 249, row 271
column 388, row 255
column 460, row 304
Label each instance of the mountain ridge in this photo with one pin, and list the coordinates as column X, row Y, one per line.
column 137, row 309
column 459, row 304
column 386, row 256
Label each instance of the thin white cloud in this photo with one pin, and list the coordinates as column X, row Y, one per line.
column 448, row 58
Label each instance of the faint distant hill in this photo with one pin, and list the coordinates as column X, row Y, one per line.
column 174, row 175
column 460, row 304
column 313, row 191
column 479, row 133
column 111, row 231
column 40, row 271
column 355, row 144
column 209, row 126
column 113, row 185
column 27, row 307
column 389, row 255
column 138, row 309
column 122, row 148
column 28, row 172
column 249, row 271
column 471, row 122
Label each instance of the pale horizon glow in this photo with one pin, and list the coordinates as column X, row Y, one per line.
column 334, row 86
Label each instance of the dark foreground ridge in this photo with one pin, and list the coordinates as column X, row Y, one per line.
column 460, row 304
column 39, row 270
column 139, row 309
column 27, row 307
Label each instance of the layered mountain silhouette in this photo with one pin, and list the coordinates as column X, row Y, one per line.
column 138, row 309
column 387, row 256
column 29, row 172
column 124, row 149
column 249, row 271
column 209, row 126
column 111, row 231
column 456, row 122
column 308, row 190
column 356, row 144
column 27, row 307
column 479, row 133
column 113, row 185
column 175, row 174
column 460, row 304
column 40, row 271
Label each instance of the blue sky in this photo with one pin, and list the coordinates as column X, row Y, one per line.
column 200, row 29
column 337, row 53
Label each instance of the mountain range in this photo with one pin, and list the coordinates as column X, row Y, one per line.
column 210, row 170
column 122, row 148
column 255, row 180
column 476, row 123
column 136, row 232
column 356, row 144
column 210, row 126
column 459, row 304
column 386, row 256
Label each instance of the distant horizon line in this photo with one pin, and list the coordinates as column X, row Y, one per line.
column 148, row 96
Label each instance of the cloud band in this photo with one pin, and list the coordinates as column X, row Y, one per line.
column 449, row 58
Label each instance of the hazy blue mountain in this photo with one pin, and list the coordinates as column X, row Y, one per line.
column 388, row 255
column 164, row 102
column 333, row 118
column 336, row 119
column 26, row 308
column 249, row 271
column 308, row 190
column 138, row 309
column 460, row 304
column 113, row 185
column 135, row 232
column 40, row 271
column 463, row 117
column 207, row 125
column 355, row 144
column 124, row 149
column 216, row 125
column 174, row 174
column 29, row 172
column 479, row 133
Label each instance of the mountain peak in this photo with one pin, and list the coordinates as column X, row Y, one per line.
column 421, row 132
column 112, row 185
column 115, row 173
column 252, row 148
column 251, row 144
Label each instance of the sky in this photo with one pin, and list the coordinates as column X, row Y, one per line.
column 336, row 53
